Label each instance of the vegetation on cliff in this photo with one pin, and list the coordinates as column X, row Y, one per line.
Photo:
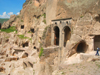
column 8, row 30
column 41, row 52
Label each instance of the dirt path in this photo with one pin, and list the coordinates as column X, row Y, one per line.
column 84, row 68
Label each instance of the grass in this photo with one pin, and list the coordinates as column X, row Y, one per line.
column 22, row 37
column 98, row 65
column 8, row 30
column 29, row 32
column 41, row 52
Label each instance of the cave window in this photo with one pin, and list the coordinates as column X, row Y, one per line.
column 32, row 30
column 56, row 35
column 25, row 44
column 96, row 42
column 67, row 34
column 60, row 22
column 55, row 22
column 66, row 22
column 34, row 47
column 22, row 26
column 81, row 47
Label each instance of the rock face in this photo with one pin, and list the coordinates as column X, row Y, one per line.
column 9, row 22
column 50, row 35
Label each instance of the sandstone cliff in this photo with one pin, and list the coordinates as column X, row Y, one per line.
column 29, row 50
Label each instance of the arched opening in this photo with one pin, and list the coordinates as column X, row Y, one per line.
column 96, row 42
column 22, row 26
column 67, row 35
column 81, row 47
column 56, row 35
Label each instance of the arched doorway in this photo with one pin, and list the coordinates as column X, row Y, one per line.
column 67, row 34
column 96, row 42
column 56, row 35
column 81, row 47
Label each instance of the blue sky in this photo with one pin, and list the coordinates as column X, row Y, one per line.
column 10, row 7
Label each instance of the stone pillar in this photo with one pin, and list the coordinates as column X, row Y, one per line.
column 52, row 37
column 60, row 39
column 59, row 55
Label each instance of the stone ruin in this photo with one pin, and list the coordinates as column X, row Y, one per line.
column 71, row 38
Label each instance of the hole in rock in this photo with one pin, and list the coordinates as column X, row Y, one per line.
column 82, row 47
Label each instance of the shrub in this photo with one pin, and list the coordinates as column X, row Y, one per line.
column 81, row 16
column 22, row 21
column 44, row 15
column 8, row 30
column 41, row 52
column 44, row 21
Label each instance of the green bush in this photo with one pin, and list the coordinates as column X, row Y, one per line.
column 44, row 21
column 44, row 15
column 8, row 30
column 41, row 52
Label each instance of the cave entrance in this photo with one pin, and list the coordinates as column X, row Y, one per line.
column 67, row 34
column 22, row 26
column 81, row 47
column 96, row 42
column 32, row 30
column 25, row 44
column 56, row 35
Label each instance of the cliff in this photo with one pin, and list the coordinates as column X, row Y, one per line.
column 49, row 37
